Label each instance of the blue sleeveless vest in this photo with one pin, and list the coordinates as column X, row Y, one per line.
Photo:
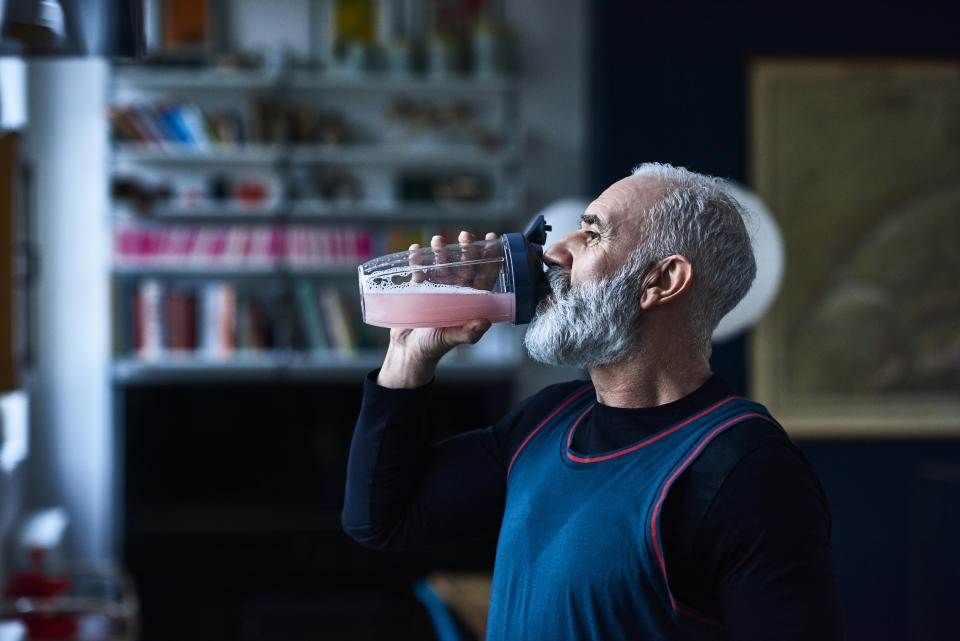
column 579, row 554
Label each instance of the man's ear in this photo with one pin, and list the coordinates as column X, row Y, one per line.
column 666, row 281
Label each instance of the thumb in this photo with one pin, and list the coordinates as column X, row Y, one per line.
column 468, row 333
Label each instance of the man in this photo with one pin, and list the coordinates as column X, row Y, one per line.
column 646, row 503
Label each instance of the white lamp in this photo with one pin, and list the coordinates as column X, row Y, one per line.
column 769, row 255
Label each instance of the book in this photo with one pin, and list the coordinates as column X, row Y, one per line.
column 217, row 320
column 147, row 117
column 125, row 306
column 180, row 317
column 195, row 123
column 121, row 128
column 169, row 116
column 259, row 331
column 134, row 122
column 226, row 320
column 337, row 320
column 148, row 321
column 309, row 314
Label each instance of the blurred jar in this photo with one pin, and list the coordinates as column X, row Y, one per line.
column 71, row 602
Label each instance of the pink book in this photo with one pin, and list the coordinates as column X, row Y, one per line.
column 364, row 246
column 179, row 245
column 217, row 247
column 152, row 246
column 260, row 238
column 126, row 244
column 278, row 245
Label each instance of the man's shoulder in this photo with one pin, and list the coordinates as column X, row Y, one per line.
column 752, row 432
column 751, row 443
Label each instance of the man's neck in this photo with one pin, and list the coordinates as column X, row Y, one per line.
column 650, row 378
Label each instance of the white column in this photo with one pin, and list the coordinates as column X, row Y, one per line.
column 71, row 460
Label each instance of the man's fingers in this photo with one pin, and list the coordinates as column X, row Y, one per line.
column 441, row 255
column 486, row 276
column 468, row 333
column 416, row 258
column 468, row 252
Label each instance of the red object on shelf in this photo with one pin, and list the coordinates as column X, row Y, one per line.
column 36, row 584
column 50, row 625
column 251, row 193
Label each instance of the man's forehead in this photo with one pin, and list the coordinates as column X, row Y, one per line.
column 625, row 200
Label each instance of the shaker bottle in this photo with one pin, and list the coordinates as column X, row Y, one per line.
column 500, row 279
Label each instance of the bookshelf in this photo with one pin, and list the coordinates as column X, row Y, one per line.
column 243, row 200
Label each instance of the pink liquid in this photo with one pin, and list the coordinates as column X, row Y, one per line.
column 434, row 309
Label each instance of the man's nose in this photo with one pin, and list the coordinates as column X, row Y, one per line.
column 559, row 253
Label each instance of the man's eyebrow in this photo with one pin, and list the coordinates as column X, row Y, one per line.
column 591, row 219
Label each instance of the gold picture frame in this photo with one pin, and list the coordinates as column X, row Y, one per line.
column 859, row 161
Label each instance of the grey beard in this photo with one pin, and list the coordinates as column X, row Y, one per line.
column 586, row 325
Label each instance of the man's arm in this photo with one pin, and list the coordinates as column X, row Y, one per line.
column 766, row 543
column 400, row 490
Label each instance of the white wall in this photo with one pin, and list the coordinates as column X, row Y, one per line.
column 552, row 37
column 71, row 454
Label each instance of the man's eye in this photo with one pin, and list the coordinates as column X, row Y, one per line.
column 591, row 235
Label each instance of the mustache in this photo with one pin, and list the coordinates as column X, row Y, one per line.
column 558, row 278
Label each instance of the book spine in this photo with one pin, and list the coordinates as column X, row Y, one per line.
column 338, row 322
column 120, row 128
column 208, row 318
column 172, row 120
column 148, row 117
column 227, row 320
column 136, row 121
column 310, row 315
column 244, row 338
column 259, row 330
column 195, row 124
column 150, row 317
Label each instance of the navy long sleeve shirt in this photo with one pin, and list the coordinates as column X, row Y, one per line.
column 746, row 527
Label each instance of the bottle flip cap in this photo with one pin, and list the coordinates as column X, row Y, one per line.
column 526, row 257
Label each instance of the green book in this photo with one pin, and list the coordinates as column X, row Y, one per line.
column 310, row 315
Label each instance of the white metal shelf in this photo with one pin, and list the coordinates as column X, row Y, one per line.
column 465, row 155
column 290, row 366
column 315, row 211
column 238, row 271
column 421, row 84
column 173, row 153
column 172, row 79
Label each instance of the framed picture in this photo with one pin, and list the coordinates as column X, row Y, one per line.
column 859, row 161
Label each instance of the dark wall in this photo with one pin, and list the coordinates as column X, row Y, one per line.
column 669, row 83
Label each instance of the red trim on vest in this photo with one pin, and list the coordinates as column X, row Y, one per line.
column 544, row 422
column 663, row 495
column 632, row 448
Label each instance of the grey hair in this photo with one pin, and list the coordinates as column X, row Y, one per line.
column 697, row 218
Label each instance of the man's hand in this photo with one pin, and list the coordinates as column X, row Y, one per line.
column 413, row 354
